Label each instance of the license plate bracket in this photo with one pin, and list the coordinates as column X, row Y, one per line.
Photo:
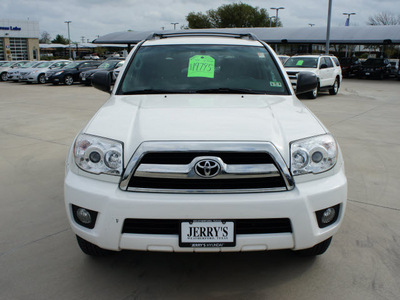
column 207, row 233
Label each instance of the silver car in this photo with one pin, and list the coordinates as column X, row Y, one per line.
column 38, row 73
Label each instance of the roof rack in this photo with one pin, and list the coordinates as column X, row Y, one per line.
column 317, row 54
column 155, row 36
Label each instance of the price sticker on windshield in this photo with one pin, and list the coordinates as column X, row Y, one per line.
column 201, row 66
column 300, row 63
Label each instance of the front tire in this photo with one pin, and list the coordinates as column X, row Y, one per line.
column 335, row 88
column 313, row 94
column 316, row 250
column 68, row 80
column 3, row 76
column 91, row 249
column 42, row 79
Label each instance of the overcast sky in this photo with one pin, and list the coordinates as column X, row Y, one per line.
column 99, row 17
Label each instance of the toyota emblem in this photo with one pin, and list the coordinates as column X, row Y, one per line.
column 207, row 168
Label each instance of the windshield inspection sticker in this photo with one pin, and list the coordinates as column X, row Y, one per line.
column 275, row 84
column 300, row 63
column 201, row 66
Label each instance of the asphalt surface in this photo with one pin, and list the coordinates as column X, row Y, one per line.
column 39, row 257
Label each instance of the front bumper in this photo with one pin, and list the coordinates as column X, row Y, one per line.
column 114, row 206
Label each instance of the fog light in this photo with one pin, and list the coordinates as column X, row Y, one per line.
column 328, row 215
column 83, row 216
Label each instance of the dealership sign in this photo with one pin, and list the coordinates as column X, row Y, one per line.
column 16, row 28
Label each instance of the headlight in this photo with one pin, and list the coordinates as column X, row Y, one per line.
column 58, row 73
column 98, row 155
column 313, row 155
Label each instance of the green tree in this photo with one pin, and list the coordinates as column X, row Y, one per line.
column 230, row 16
column 60, row 40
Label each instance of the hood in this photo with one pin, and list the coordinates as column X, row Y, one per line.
column 52, row 71
column 138, row 118
column 300, row 69
column 92, row 71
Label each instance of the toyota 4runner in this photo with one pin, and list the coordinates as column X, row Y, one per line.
column 204, row 146
column 325, row 67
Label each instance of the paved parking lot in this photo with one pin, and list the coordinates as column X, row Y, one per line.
column 39, row 257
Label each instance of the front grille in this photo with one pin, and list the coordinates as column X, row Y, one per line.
column 203, row 184
column 293, row 77
column 179, row 170
column 243, row 226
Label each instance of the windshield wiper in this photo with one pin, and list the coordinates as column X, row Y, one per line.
column 154, row 91
column 230, row 91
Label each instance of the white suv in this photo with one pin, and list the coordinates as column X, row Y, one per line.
column 203, row 146
column 325, row 67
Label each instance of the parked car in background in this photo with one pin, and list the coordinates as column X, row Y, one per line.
column 91, row 56
column 115, row 74
column 15, row 73
column 38, row 73
column 351, row 66
column 325, row 67
column 394, row 63
column 376, row 68
column 70, row 73
column 2, row 62
column 107, row 66
column 9, row 66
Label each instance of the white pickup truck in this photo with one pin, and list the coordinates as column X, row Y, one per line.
column 204, row 146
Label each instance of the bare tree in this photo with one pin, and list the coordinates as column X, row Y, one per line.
column 45, row 38
column 384, row 18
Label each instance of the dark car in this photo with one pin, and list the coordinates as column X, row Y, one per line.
column 376, row 67
column 70, row 73
column 109, row 65
column 351, row 66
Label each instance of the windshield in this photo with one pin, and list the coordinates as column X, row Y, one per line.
column 345, row 61
column 202, row 69
column 44, row 64
column 108, row 64
column 8, row 64
column 72, row 65
column 373, row 62
column 29, row 64
column 302, row 62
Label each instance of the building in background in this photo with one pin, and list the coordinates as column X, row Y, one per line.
column 19, row 40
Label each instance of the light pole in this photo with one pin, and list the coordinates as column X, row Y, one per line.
column 69, row 38
column 276, row 18
column 174, row 23
column 348, row 18
column 328, row 28
column 347, row 24
column 270, row 20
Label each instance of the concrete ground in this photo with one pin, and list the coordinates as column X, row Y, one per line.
column 39, row 257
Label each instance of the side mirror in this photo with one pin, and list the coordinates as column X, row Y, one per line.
column 306, row 82
column 102, row 81
column 323, row 66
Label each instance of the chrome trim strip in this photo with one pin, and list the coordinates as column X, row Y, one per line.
column 281, row 189
column 186, row 171
column 210, row 147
